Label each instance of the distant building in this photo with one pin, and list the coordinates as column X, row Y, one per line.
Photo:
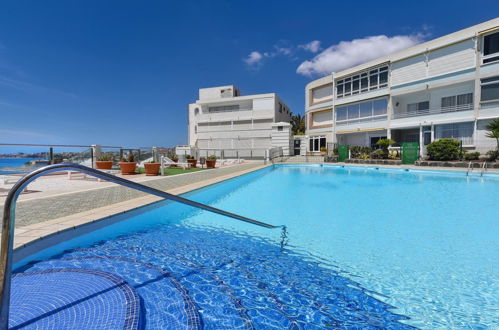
column 223, row 119
column 443, row 88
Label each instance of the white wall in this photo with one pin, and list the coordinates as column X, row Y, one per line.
column 482, row 142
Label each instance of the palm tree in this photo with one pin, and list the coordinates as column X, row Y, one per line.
column 298, row 124
column 493, row 130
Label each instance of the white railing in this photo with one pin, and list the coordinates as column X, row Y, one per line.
column 435, row 111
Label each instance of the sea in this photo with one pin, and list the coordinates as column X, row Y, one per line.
column 15, row 165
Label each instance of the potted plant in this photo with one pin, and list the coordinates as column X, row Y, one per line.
column 174, row 158
column 211, row 161
column 191, row 160
column 152, row 168
column 104, row 162
column 128, row 164
column 323, row 151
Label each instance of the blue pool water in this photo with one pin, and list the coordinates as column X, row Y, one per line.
column 13, row 165
column 367, row 248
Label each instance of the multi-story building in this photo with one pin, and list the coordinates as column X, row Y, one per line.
column 443, row 88
column 222, row 119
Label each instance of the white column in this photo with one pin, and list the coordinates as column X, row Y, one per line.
column 421, row 142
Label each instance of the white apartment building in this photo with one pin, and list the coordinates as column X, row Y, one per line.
column 223, row 119
column 443, row 88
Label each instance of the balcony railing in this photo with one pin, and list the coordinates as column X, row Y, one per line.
column 437, row 111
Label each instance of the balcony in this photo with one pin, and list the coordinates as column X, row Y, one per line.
column 437, row 111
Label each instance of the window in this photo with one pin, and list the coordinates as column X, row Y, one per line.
column 196, row 111
column 457, row 102
column 461, row 131
column 316, row 143
column 224, row 108
column 420, row 107
column 279, row 128
column 490, row 89
column 491, row 47
column 361, row 112
column 363, row 82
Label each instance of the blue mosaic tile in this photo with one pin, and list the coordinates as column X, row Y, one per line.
column 189, row 278
column 69, row 298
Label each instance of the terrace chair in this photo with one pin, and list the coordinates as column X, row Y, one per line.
column 167, row 162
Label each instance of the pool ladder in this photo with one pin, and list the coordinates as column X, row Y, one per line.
column 470, row 168
column 8, row 221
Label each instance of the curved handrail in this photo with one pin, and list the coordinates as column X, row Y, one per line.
column 8, row 221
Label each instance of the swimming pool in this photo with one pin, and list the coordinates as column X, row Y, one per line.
column 367, row 247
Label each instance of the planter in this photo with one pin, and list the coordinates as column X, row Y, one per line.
column 152, row 168
column 128, row 167
column 192, row 162
column 210, row 163
column 104, row 165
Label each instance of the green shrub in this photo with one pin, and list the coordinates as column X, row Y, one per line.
column 212, row 157
column 444, row 149
column 104, row 158
column 356, row 151
column 378, row 154
column 384, row 144
column 130, row 158
column 472, row 156
column 492, row 155
column 189, row 157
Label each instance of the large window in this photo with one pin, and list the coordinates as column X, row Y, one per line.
column 224, row 108
column 491, row 47
column 418, row 107
column 457, row 102
column 461, row 131
column 361, row 112
column 490, row 89
column 316, row 143
column 362, row 82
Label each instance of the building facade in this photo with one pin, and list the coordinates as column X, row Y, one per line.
column 223, row 119
column 443, row 88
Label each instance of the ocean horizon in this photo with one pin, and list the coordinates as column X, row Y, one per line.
column 14, row 165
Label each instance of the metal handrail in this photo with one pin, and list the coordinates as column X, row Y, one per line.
column 468, row 170
column 8, row 221
column 484, row 168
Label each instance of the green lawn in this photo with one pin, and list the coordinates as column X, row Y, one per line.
column 174, row 170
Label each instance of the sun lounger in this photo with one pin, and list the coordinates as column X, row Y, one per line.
column 167, row 162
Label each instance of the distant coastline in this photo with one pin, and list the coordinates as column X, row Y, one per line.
column 14, row 165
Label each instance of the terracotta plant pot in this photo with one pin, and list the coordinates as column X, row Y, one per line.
column 152, row 168
column 192, row 162
column 104, row 165
column 128, row 167
column 210, row 163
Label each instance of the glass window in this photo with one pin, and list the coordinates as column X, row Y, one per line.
column 379, row 107
column 316, row 144
column 322, row 142
column 355, row 84
column 339, row 90
column 448, row 102
column 364, row 83
column 348, row 86
column 490, row 89
column 383, row 78
column 465, row 99
column 461, row 131
column 491, row 46
column 366, row 109
column 353, row 111
column 341, row 113
column 373, row 81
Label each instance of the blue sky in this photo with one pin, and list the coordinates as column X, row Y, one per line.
column 123, row 72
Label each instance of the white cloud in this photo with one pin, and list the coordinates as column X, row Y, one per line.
column 313, row 46
column 350, row 53
column 254, row 58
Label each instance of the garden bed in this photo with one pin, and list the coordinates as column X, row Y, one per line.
column 456, row 163
column 374, row 161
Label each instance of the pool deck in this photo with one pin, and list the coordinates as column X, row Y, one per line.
column 39, row 216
